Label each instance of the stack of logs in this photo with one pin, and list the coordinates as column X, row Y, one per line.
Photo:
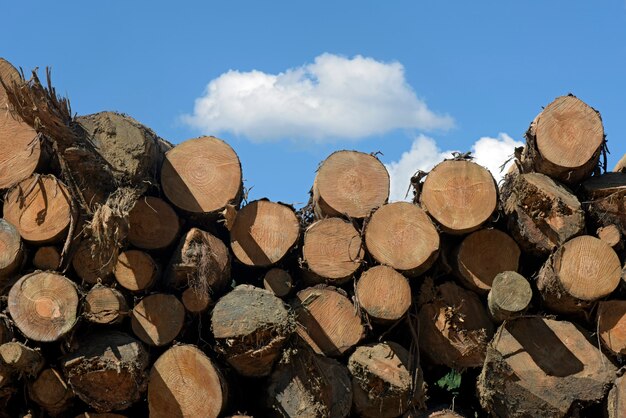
column 135, row 283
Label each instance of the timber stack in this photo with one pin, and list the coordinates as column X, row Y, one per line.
column 136, row 280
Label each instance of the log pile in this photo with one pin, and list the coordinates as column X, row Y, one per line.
column 137, row 281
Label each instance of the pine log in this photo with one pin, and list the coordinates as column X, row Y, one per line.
column 43, row 305
column 351, row 184
column 39, row 207
column 509, row 296
column 383, row 383
column 135, row 270
column 278, row 281
column 578, row 273
column 605, row 200
column 310, row 385
column 22, row 360
column 47, row 258
column 460, row 195
column 482, row 255
column 454, row 327
column 611, row 319
column 616, row 402
column 184, row 382
column 88, row 263
column 620, row 167
column 383, row 293
column 202, row 175
column 196, row 301
column 108, row 371
column 157, row 319
column 51, row 392
column 402, row 236
column 539, row 367
column 327, row 321
column 153, row 224
column 332, row 250
column 564, row 141
column 11, row 249
column 250, row 326
column 263, row 233
column 541, row 214
column 105, row 305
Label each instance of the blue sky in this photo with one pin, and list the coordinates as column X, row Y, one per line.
column 411, row 79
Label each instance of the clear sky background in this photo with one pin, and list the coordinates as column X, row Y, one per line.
column 288, row 82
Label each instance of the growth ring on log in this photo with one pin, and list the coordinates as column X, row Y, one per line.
column 383, row 293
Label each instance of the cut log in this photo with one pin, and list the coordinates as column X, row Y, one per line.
column 184, row 382
column 202, row 175
column 108, row 371
column 89, row 265
column 332, row 250
column 327, row 321
column 196, row 301
column 384, row 294
column 612, row 325
column 43, row 306
column 611, row 235
column 310, row 385
column 278, row 281
column 263, row 233
column 509, row 296
column 135, row 270
column 435, row 413
column 454, row 327
column 383, row 381
column 104, row 305
column 460, row 195
column 47, row 258
column 39, row 207
column 51, row 392
column 541, row 214
column 201, row 261
column 482, row 255
column 97, row 415
column 22, row 360
column 250, row 326
column 402, row 236
column 620, row 167
column 157, row 319
column 539, row 367
column 153, row 224
column 616, row 402
column 564, row 141
column 580, row 272
column 605, row 200
column 11, row 249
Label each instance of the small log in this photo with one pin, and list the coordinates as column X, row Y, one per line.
column 278, row 281
column 383, row 380
column 250, row 326
column 620, row 167
column 22, row 360
column 605, row 200
column 51, row 392
column 541, row 214
column 39, row 207
column 509, row 296
column 11, row 249
column 351, row 184
column 460, row 195
column 616, row 402
column 47, row 258
column 454, row 327
column 135, row 270
column 327, row 321
column 580, row 272
column 611, row 235
column 482, row 255
column 539, row 367
column 105, row 305
column 611, row 318
column 332, row 249
column 153, row 224
column 108, row 371
column 564, row 141
column 89, row 265
column 263, row 232
column 310, row 385
column 202, row 175
column 383, row 293
column 157, row 319
column 43, row 306
column 196, row 301
column 184, row 382
column 402, row 236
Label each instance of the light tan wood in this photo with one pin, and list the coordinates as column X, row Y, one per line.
column 47, row 258
column 153, row 224
column 196, row 301
column 135, row 270
column 105, row 305
column 21, row 359
column 157, row 319
column 383, row 293
column 621, row 165
column 51, row 392
column 278, row 281
column 611, row 319
column 11, row 249
column 611, row 235
column 509, row 296
column 616, row 403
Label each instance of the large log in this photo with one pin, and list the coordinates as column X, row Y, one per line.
column 11, row 249
column 153, row 224
column 383, row 293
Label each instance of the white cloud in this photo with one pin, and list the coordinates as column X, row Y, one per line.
column 334, row 97
column 425, row 154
